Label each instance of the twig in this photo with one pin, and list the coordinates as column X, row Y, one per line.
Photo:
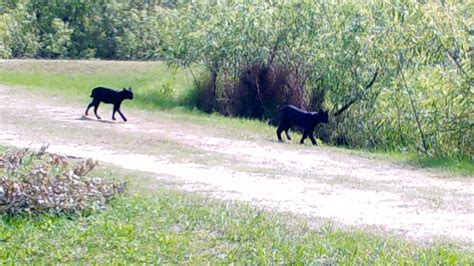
column 359, row 96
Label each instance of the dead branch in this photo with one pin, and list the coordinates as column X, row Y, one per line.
column 359, row 96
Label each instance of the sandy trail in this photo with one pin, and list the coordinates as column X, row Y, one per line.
column 313, row 181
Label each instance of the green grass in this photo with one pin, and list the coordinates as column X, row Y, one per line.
column 158, row 87
column 155, row 85
column 152, row 223
column 463, row 167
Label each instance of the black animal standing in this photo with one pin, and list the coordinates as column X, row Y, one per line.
column 293, row 116
column 106, row 95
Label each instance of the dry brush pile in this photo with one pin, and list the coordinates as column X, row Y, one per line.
column 41, row 182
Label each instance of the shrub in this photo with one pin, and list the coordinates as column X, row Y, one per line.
column 38, row 182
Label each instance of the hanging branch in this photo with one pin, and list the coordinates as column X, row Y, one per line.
column 279, row 39
column 459, row 66
column 359, row 96
column 192, row 74
column 412, row 103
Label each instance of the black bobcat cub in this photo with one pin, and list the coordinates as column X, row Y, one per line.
column 291, row 115
column 106, row 95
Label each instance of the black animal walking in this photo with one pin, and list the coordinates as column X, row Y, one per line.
column 106, row 95
column 293, row 116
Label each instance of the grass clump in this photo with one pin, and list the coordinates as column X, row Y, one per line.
column 445, row 165
column 39, row 182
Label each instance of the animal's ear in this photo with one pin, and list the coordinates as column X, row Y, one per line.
column 124, row 89
column 130, row 88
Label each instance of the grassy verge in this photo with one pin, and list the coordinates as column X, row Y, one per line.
column 157, row 86
column 450, row 166
column 153, row 223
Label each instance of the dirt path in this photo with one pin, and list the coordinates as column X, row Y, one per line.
column 314, row 181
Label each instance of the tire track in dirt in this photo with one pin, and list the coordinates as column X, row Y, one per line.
column 309, row 181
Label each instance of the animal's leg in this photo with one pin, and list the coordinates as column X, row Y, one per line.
column 305, row 134
column 88, row 107
column 95, row 110
column 287, row 135
column 113, row 113
column 279, row 130
column 311, row 137
column 120, row 113
column 94, row 102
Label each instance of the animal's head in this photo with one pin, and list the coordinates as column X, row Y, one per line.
column 127, row 93
column 321, row 116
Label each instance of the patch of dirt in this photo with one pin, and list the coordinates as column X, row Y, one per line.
column 313, row 181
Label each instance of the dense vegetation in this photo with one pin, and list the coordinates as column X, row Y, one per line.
column 122, row 29
column 398, row 73
column 404, row 65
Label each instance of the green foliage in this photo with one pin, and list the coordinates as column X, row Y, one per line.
column 140, row 38
column 82, row 29
column 5, row 39
column 421, row 99
column 57, row 43
column 18, row 33
column 421, row 51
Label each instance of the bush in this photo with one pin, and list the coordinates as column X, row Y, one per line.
column 39, row 182
column 257, row 94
